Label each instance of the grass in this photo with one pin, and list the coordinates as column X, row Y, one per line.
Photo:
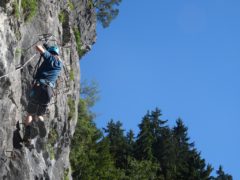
column 77, row 35
column 71, row 105
column 52, row 136
column 66, row 171
column 18, row 52
column 50, row 150
column 29, row 9
column 71, row 76
column 70, row 5
column 61, row 17
column 16, row 9
column 90, row 4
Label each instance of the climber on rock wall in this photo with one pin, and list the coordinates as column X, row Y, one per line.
column 42, row 89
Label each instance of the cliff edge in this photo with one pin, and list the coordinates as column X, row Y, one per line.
column 71, row 24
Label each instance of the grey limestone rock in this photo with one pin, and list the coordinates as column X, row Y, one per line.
column 50, row 157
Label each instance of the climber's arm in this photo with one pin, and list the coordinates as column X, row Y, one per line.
column 44, row 53
column 40, row 49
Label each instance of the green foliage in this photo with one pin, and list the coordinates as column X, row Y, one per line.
column 16, row 9
column 52, row 136
column 70, row 5
column 29, row 9
column 90, row 159
column 90, row 155
column 118, row 143
column 71, row 75
column 71, row 106
column 77, row 35
column 50, row 150
column 221, row 175
column 90, row 4
column 18, row 34
column 141, row 169
column 145, row 140
column 89, row 92
column 158, row 151
column 106, row 11
column 61, row 16
column 18, row 52
column 66, row 171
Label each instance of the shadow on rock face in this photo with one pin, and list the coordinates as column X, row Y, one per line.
column 35, row 131
column 3, row 3
column 17, row 139
column 39, row 144
column 3, row 159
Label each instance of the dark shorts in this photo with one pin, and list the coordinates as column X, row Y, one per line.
column 40, row 96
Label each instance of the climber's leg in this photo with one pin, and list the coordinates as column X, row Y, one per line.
column 41, row 127
column 33, row 104
column 31, row 130
column 28, row 119
column 40, row 118
column 27, row 129
column 27, row 134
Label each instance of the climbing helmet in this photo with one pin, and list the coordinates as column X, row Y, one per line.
column 54, row 50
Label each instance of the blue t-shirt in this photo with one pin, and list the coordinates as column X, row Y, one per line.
column 49, row 69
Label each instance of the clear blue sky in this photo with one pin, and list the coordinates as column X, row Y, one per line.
column 180, row 56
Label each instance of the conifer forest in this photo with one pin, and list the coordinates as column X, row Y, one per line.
column 157, row 152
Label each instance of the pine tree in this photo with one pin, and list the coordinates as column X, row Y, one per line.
column 158, row 152
column 142, row 169
column 182, row 148
column 104, row 163
column 156, row 123
column 130, row 137
column 118, row 143
column 83, row 144
column 189, row 164
column 166, row 155
column 145, row 139
column 197, row 168
column 130, row 143
column 106, row 10
column 221, row 175
column 162, row 146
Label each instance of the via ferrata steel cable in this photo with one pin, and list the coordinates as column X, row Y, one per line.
column 19, row 68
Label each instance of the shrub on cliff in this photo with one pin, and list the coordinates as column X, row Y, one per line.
column 106, row 10
column 29, row 9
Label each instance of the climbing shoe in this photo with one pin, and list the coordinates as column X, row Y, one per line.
column 31, row 131
column 27, row 133
column 42, row 128
column 18, row 126
column 17, row 138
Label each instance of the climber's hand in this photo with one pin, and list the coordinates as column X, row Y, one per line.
column 45, row 45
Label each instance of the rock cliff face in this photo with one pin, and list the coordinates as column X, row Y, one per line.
column 73, row 24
